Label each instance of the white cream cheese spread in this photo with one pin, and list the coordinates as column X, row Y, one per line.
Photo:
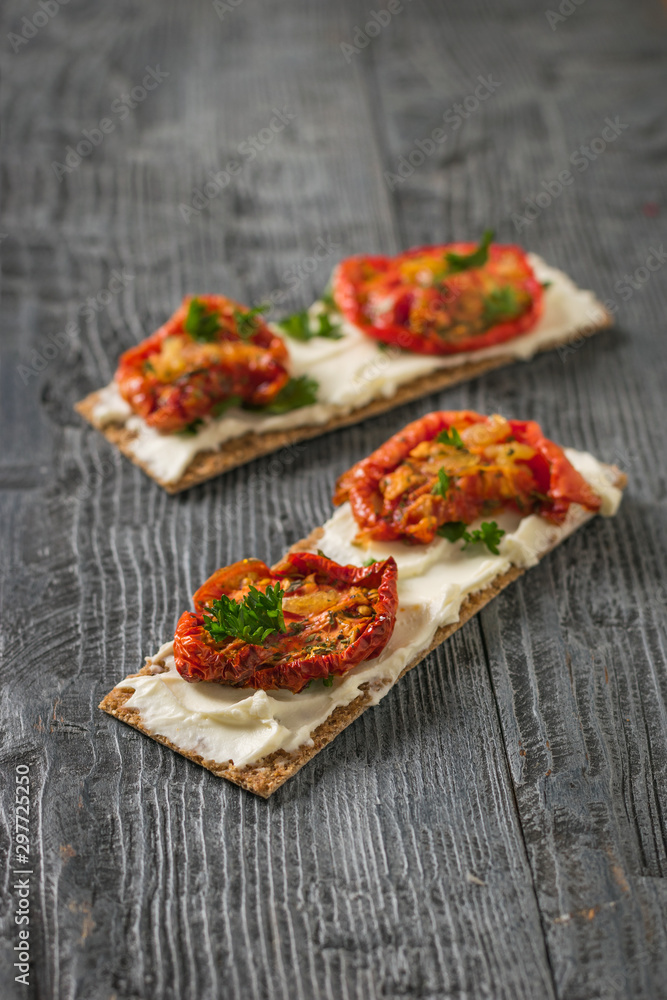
column 243, row 726
column 351, row 372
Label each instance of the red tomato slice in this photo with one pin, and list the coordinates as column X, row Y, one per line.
column 173, row 378
column 335, row 617
column 414, row 483
column 418, row 300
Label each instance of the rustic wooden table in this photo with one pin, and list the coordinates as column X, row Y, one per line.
column 495, row 828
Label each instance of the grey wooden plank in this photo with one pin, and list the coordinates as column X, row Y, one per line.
column 154, row 879
column 576, row 652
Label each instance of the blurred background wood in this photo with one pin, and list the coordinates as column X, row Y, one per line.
column 495, row 828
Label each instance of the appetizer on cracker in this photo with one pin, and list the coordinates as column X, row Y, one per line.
column 218, row 385
column 428, row 529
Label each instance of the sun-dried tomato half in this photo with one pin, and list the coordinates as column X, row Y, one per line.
column 427, row 300
column 210, row 351
column 457, row 466
column 334, row 617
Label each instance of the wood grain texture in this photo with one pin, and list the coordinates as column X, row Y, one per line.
column 528, row 752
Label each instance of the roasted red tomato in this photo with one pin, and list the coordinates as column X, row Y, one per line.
column 441, row 299
column 210, row 351
column 454, row 467
column 306, row 618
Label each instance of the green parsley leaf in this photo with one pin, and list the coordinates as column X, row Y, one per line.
column 546, row 284
column 201, row 322
column 370, row 562
column 328, row 681
column 463, row 262
column 450, row 437
column 453, row 530
column 442, row 485
column 253, row 619
column 298, row 326
column 501, row 304
column 298, row 392
column 246, row 322
column 226, row 404
column 191, row 429
column 489, row 534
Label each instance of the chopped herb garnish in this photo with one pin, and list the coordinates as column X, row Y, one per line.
column 247, row 322
column 201, row 322
column 501, row 303
column 453, row 530
column 148, row 367
column 253, row 619
column 225, row 404
column 299, row 326
column 327, row 299
column 489, row 534
column 328, row 681
column 191, row 429
column 370, row 562
column 463, row 262
column 298, row 392
column 450, row 437
column 442, row 485
column 546, row 284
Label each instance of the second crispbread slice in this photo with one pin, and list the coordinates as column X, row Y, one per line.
column 270, row 772
column 237, row 451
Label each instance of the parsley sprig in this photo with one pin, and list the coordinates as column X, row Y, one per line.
column 226, row 404
column 201, row 322
column 247, row 322
column 298, row 326
column 298, row 392
column 457, row 262
column 501, row 303
column 191, row 429
column 450, row 437
column 489, row 534
column 253, row 619
column 442, row 485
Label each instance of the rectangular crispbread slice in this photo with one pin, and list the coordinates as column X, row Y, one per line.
column 269, row 773
column 207, row 464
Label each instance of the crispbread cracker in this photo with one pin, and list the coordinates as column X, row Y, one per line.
column 238, row 451
column 269, row 773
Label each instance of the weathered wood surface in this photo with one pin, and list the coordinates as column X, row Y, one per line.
column 496, row 827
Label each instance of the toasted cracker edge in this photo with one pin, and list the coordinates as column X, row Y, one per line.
column 238, row 451
column 268, row 774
